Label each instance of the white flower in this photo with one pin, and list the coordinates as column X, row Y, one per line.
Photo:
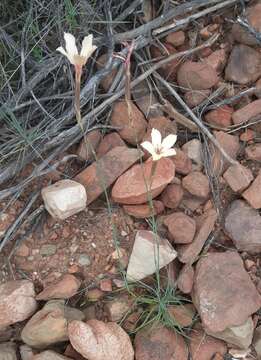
column 158, row 148
column 71, row 51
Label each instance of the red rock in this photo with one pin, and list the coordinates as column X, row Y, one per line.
column 191, row 202
column 204, row 347
column 181, row 227
column 144, row 210
column 253, row 152
column 106, row 285
column 238, row 177
column 196, row 97
column 172, row 196
column 185, row 279
column 159, row 343
column 132, row 187
column 17, row 302
column 182, row 314
column 220, row 117
column 217, row 60
column 196, row 76
column 23, row 250
column 222, row 288
column 146, row 101
column 247, row 112
column 247, row 135
column 176, row 38
column 168, row 71
column 230, row 144
column 109, row 142
column 188, row 253
column 87, row 148
column 65, row 288
column 107, row 80
column 253, row 194
column 96, row 340
column 131, row 127
column 101, row 174
column 196, row 184
column 50, row 355
column 183, row 164
column 244, row 65
column 208, row 31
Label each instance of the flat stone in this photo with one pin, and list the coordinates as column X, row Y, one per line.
column 247, row 112
column 172, row 196
column 49, row 355
column 155, row 250
column 196, row 76
column 185, row 279
column 253, row 152
column 26, row 352
column 183, row 315
column 17, row 302
column 183, row 164
column 109, row 142
column 238, row 177
column 64, row 198
column 196, row 183
column 188, row 253
column 64, row 288
column 244, row 65
column 8, row 351
column 48, row 249
column 133, row 186
column 103, row 173
column 176, row 38
column 196, row 97
column 181, row 227
column 84, row 260
column 253, row 194
column 144, row 211
column 169, row 70
column 146, row 101
column 222, row 288
column 131, row 127
column 217, row 60
column 193, row 149
column 88, row 145
column 221, row 116
column 243, row 225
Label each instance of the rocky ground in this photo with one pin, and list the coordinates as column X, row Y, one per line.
column 64, row 290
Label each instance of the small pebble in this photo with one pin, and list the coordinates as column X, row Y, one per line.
column 84, row 260
column 48, row 249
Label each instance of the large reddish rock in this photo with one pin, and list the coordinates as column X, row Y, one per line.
column 220, row 117
column 183, row 314
column 136, row 186
column 217, row 60
column 159, row 343
column 64, row 288
column 253, row 194
column 196, row 76
column 17, row 302
column 172, row 196
column 131, row 126
column 238, row 177
column 87, row 148
column 188, row 253
column 222, row 288
column 230, row 143
column 204, row 347
column 109, row 142
column 183, row 164
column 169, row 70
column 243, row 225
column 185, row 279
column 196, row 184
column 244, row 65
column 181, row 227
column 101, row 174
column 96, row 340
column 253, row 152
column 143, row 211
column 247, row 112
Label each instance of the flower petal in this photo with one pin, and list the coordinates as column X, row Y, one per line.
column 61, row 50
column 168, row 152
column 169, row 141
column 87, row 47
column 148, row 146
column 156, row 138
column 70, row 45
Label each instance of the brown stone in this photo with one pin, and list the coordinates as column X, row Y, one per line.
column 247, row 136
column 244, row 65
column 159, row 343
column 196, row 76
column 247, row 112
column 176, row 38
column 188, row 253
column 102, row 173
column 169, row 70
column 50, row 355
column 130, row 126
column 238, row 177
column 183, row 164
column 133, row 186
column 217, row 60
column 196, row 184
column 222, row 288
column 64, row 288
column 87, row 148
column 146, row 100
column 73, row 354
column 196, row 97
column 220, row 117
column 109, row 142
column 106, row 285
column 143, row 211
column 185, row 279
column 182, row 314
column 23, row 250
column 172, row 196
column 253, row 152
column 253, row 194
column 181, row 227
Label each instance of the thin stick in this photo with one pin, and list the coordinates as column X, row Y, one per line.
column 201, row 126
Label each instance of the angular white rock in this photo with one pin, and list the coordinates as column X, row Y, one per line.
column 64, row 198
column 149, row 253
